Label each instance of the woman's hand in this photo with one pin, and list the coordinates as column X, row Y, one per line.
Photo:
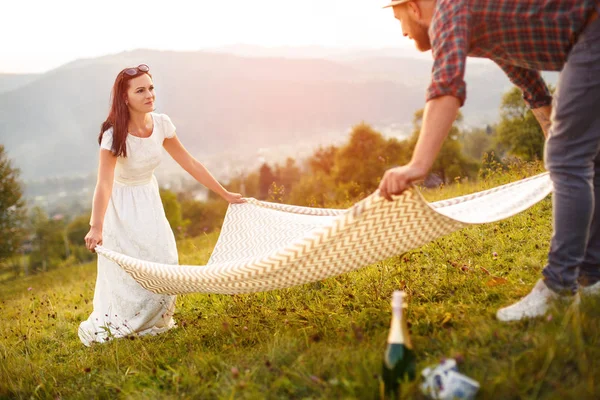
column 234, row 198
column 93, row 238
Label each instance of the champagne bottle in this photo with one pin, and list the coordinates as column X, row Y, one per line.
column 399, row 359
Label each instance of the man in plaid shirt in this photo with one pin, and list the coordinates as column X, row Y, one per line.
column 523, row 37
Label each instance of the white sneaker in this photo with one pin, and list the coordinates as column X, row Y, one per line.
column 535, row 304
column 592, row 290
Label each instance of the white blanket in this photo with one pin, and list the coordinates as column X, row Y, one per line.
column 265, row 246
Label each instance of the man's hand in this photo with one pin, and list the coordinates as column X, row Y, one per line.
column 438, row 116
column 542, row 114
column 397, row 180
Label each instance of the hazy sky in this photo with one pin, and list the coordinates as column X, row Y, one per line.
column 38, row 35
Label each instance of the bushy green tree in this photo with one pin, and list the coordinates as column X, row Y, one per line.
column 13, row 213
column 316, row 189
column 173, row 212
column 49, row 245
column 365, row 158
column 518, row 132
column 323, row 160
column 76, row 231
column 450, row 162
column 477, row 142
column 341, row 175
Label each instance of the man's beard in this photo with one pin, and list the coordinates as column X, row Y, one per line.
column 421, row 37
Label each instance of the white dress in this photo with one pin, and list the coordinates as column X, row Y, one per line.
column 135, row 225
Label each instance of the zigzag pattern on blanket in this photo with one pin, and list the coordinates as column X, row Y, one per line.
column 265, row 246
column 255, row 230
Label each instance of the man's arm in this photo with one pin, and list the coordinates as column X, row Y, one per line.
column 438, row 117
column 445, row 95
column 535, row 92
column 542, row 114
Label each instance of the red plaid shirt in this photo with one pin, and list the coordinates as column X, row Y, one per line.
column 522, row 36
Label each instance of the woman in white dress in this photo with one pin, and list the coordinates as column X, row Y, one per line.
column 127, row 212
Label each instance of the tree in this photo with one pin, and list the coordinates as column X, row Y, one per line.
column 397, row 152
column 476, row 142
column 450, row 162
column 519, row 133
column 289, row 174
column 363, row 160
column 285, row 177
column 76, row 231
column 265, row 180
column 48, row 246
column 13, row 213
column 78, row 228
column 323, row 160
column 342, row 175
column 173, row 212
column 313, row 190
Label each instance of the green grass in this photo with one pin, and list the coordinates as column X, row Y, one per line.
column 319, row 341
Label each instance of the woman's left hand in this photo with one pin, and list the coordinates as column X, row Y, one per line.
column 234, row 198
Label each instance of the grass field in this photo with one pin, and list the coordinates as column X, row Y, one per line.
column 318, row 341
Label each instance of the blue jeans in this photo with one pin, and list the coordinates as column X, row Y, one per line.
column 572, row 156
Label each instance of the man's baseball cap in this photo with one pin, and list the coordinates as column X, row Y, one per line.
column 395, row 3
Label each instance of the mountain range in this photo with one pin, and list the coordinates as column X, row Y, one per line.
column 230, row 101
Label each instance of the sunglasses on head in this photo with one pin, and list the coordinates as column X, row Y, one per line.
column 134, row 71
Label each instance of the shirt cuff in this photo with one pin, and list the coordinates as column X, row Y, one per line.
column 437, row 89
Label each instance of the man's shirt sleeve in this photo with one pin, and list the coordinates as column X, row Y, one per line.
column 449, row 35
column 531, row 83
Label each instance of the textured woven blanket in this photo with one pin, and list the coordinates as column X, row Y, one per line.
column 265, row 246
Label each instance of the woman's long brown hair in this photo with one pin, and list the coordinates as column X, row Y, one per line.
column 118, row 117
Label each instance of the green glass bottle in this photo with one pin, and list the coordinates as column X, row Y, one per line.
column 399, row 361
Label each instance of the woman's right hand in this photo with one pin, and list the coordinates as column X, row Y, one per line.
column 93, row 238
column 234, row 198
